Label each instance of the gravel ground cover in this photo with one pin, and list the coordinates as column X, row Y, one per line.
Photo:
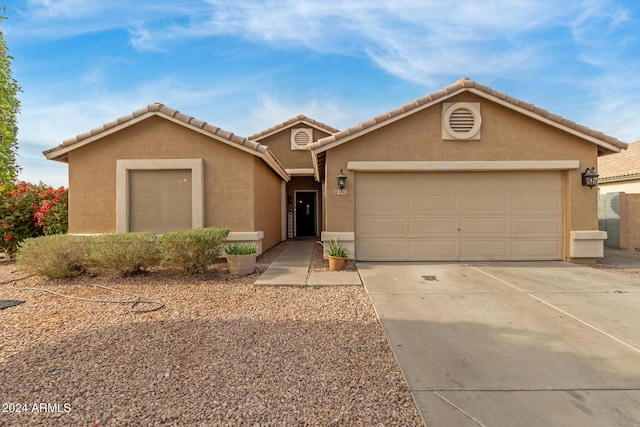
column 620, row 261
column 221, row 352
column 319, row 264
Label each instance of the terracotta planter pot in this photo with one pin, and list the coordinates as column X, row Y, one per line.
column 241, row 265
column 336, row 263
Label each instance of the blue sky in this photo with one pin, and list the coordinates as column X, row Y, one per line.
column 247, row 65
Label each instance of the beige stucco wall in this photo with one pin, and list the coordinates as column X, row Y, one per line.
column 280, row 145
column 267, row 207
column 505, row 135
column 229, row 175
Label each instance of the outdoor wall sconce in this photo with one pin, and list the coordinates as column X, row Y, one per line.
column 342, row 180
column 590, row 177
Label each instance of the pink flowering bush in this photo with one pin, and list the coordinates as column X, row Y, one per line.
column 28, row 210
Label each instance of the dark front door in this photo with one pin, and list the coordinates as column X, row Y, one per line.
column 306, row 213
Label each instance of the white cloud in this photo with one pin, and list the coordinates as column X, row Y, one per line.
column 60, row 8
column 596, row 19
column 421, row 41
column 613, row 106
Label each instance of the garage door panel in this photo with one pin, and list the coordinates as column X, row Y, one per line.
column 536, row 203
column 382, row 250
column 383, row 227
column 539, row 226
column 472, row 204
column 433, row 249
column 484, row 250
column 419, row 227
column 424, row 216
column 437, row 203
column 536, row 249
column 380, row 204
column 493, row 226
column 494, row 182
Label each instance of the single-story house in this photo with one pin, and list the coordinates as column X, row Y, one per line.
column 619, row 200
column 464, row 173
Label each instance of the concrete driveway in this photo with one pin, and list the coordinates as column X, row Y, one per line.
column 513, row 344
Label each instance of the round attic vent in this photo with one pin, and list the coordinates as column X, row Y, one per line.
column 301, row 138
column 462, row 120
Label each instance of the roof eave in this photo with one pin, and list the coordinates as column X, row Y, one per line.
column 60, row 153
column 318, row 147
column 558, row 125
column 620, row 178
column 57, row 152
column 291, row 123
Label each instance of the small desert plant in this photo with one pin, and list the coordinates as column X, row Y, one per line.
column 241, row 249
column 124, row 253
column 192, row 250
column 56, row 256
column 337, row 249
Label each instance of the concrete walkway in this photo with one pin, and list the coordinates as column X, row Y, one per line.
column 291, row 268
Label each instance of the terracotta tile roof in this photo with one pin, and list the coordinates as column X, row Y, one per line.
column 293, row 121
column 161, row 109
column 620, row 165
column 448, row 91
column 60, row 152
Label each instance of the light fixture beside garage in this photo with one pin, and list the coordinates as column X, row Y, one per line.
column 342, row 180
column 590, row 177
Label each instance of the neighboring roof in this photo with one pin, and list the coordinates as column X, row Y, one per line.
column 606, row 143
column 59, row 153
column 621, row 166
column 290, row 123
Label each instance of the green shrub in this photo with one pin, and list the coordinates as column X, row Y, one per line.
column 192, row 250
column 241, row 249
column 124, row 253
column 56, row 256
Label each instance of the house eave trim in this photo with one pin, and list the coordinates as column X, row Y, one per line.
column 619, row 178
column 301, row 172
column 283, row 128
column 469, row 166
column 536, row 116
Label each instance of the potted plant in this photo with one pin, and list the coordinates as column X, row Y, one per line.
column 337, row 255
column 241, row 258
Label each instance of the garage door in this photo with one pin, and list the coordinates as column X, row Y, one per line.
column 458, row 216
